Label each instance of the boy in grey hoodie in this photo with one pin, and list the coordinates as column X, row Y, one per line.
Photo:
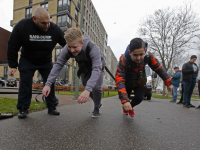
column 91, row 75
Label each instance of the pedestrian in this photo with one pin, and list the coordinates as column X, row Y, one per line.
column 130, row 74
column 189, row 72
column 91, row 70
column 175, row 82
column 198, row 82
column 37, row 37
column 182, row 89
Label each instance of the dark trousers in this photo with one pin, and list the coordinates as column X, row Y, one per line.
column 27, row 70
column 181, row 100
column 137, row 99
column 188, row 90
column 96, row 93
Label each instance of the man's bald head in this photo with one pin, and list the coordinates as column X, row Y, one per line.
column 40, row 11
column 41, row 18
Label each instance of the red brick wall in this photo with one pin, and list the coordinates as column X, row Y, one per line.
column 4, row 36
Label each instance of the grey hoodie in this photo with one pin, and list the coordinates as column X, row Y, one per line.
column 64, row 56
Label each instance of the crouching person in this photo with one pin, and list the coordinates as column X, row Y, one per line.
column 130, row 74
column 91, row 70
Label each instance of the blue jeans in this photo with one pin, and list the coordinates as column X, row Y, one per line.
column 188, row 90
column 175, row 93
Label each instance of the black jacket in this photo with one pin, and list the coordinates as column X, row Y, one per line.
column 36, row 45
column 187, row 71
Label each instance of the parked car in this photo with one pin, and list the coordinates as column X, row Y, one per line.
column 11, row 82
column 2, row 82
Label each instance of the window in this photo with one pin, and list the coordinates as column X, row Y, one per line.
column 30, row 2
column 63, row 5
column 5, row 71
column 28, row 12
column 64, row 20
column 76, row 15
column 45, row 6
column 79, row 4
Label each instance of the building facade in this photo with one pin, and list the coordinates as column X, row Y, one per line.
column 111, row 63
column 4, row 36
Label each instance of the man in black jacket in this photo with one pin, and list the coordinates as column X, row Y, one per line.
column 36, row 37
column 189, row 72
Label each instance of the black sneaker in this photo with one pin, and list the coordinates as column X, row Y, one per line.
column 187, row 106
column 53, row 111
column 192, row 105
column 179, row 102
column 95, row 113
column 198, row 107
column 22, row 113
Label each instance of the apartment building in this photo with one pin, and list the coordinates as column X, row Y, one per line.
column 92, row 26
column 65, row 13
column 111, row 63
column 4, row 36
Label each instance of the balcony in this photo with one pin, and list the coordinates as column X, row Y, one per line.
column 63, row 8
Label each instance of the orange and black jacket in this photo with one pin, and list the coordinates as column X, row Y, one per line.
column 123, row 78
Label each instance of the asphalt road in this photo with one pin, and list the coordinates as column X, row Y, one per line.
column 157, row 125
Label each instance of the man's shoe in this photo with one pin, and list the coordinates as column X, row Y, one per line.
column 125, row 112
column 186, row 105
column 53, row 111
column 192, row 105
column 180, row 102
column 22, row 113
column 95, row 113
column 131, row 113
column 198, row 107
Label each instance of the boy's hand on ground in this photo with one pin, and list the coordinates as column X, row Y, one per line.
column 127, row 106
column 83, row 97
column 169, row 88
column 46, row 90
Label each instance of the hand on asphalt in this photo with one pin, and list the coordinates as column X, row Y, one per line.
column 169, row 88
column 12, row 71
column 46, row 90
column 83, row 97
column 127, row 106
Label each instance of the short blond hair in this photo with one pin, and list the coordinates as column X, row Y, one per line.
column 72, row 34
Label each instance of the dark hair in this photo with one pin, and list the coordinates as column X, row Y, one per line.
column 136, row 43
column 176, row 68
column 193, row 56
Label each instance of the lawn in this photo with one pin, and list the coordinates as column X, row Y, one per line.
column 8, row 105
column 170, row 97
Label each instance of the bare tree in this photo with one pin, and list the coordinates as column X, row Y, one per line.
column 170, row 33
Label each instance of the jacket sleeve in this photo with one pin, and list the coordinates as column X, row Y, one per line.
column 157, row 67
column 176, row 75
column 14, row 44
column 187, row 70
column 120, row 80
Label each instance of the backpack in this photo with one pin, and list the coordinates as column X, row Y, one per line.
column 86, row 67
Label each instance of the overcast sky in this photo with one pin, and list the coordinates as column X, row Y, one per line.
column 120, row 18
